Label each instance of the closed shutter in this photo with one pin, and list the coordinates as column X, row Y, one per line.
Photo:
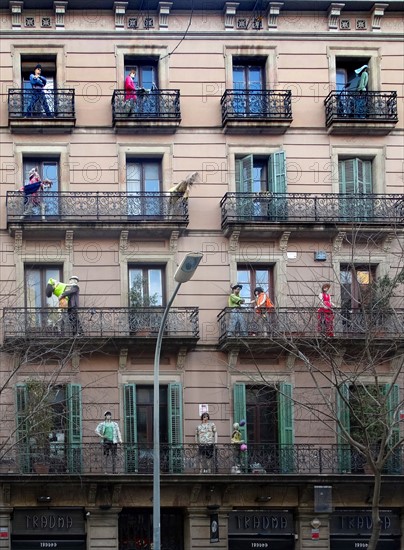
column 286, row 428
column 393, row 400
column 130, row 428
column 74, row 426
column 22, row 441
column 175, row 436
column 344, row 449
column 240, row 413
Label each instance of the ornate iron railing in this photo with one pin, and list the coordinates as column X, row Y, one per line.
column 186, row 459
column 153, row 104
column 87, row 207
column 256, row 104
column 285, row 323
column 34, row 323
column 57, row 103
column 361, row 106
column 309, row 208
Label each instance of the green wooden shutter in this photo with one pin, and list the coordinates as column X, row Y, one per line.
column 344, row 449
column 175, row 436
column 393, row 400
column 285, row 428
column 348, row 176
column 244, row 183
column 22, row 442
column 240, row 413
column 278, row 207
column 246, row 174
column 130, row 428
column 364, row 176
column 74, row 425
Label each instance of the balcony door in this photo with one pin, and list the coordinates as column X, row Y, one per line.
column 47, row 202
column 143, row 184
column 138, row 430
column 146, row 80
column 48, row 71
column 355, row 184
column 42, row 313
column 268, row 412
column 248, row 84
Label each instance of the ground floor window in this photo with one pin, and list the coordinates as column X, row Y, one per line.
column 136, row 529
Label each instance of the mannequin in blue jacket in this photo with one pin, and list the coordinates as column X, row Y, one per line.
column 38, row 97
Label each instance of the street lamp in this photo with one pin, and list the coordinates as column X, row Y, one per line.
column 183, row 274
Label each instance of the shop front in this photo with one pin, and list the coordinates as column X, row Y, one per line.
column 261, row 529
column 57, row 528
column 351, row 529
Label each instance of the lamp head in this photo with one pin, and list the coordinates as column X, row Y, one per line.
column 188, row 267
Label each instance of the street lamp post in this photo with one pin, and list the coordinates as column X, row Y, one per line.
column 183, row 274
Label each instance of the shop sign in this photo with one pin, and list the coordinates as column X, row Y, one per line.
column 214, row 528
column 257, row 522
column 3, row 532
column 59, row 521
column 48, row 544
column 261, row 544
column 361, row 544
column 359, row 522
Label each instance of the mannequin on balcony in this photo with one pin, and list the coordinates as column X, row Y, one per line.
column 111, row 435
column 33, row 192
column 325, row 314
column 206, row 438
column 38, row 97
column 72, row 293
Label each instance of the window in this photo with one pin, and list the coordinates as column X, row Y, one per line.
column 355, row 286
column 146, row 81
column 45, row 203
column 49, row 426
column 345, row 71
column 252, row 276
column 36, row 278
column 248, row 84
column 355, row 181
column 143, row 183
column 268, row 411
column 361, row 414
column 146, row 286
column 258, row 174
column 136, row 525
column 138, row 413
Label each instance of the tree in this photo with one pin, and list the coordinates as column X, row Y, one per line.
column 356, row 369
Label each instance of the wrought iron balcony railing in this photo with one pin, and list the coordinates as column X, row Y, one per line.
column 285, row 323
column 185, row 459
column 148, row 105
column 361, row 106
column 88, row 207
column 52, row 104
column 123, row 322
column 256, row 104
column 308, row 208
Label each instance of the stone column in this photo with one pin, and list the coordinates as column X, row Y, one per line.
column 197, row 529
column 102, row 529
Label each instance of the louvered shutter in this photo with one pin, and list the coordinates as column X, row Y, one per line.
column 74, row 426
column 344, row 449
column 175, row 435
column 286, row 428
column 22, row 442
column 130, row 428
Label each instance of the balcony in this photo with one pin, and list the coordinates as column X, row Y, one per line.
column 256, row 111
column 154, row 214
column 361, row 113
column 184, row 460
column 154, row 111
column 138, row 325
column 270, row 214
column 244, row 327
column 47, row 112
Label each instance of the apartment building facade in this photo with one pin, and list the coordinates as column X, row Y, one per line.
column 299, row 183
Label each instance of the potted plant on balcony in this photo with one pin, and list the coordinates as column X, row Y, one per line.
column 141, row 318
column 40, row 420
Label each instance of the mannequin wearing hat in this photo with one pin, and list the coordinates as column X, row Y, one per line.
column 359, row 84
column 33, row 192
column 110, row 434
column 38, row 97
column 237, row 322
column 72, row 293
